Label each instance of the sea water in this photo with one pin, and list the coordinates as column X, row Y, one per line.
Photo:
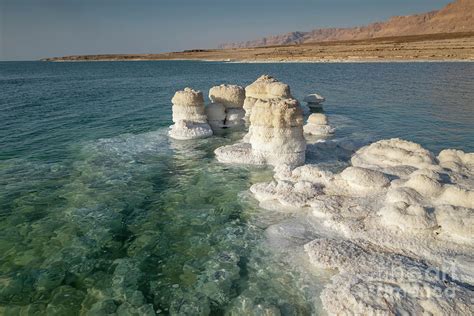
column 100, row 212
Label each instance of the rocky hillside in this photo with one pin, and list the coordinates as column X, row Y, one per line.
column 457, row 16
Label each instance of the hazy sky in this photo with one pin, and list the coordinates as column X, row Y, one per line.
column 32, row 29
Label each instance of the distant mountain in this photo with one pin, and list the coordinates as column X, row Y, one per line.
column 457, row 16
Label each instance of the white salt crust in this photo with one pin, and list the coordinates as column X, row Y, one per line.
column 189, row 116
column 226, row 108
column 264, row 88
column 318, row 125
column 275, row 136
column 231, row 96
column 401, row 223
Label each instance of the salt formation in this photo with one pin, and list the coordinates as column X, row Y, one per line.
column 314, row 100
column 264, row 88
column 226, row 109
column 318, row 125
column 400, row 228
column 374, row 282
column 189, row 116
column 275, row 136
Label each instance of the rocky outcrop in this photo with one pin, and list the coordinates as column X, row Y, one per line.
column 275, row 134
column 318, row 125
column 189, row 116
column 455, row 17
column 226, row 109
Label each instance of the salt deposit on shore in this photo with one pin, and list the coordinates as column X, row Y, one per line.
column 403, row 221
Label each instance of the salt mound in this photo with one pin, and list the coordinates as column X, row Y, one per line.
column 374, row 282
column 267, row 87
column 394, row 156
column 457, row 160
column 275, row 136
column 189, row 116
column 314, row 100
column 361, row 179
column 264, row 88
column 230, row 98
column 396, row 207
column 318, row 125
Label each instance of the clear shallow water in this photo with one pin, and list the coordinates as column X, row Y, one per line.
column 100, row 211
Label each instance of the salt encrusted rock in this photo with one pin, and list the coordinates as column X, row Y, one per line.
column 457, row 160
column 400, row 228
column 188, row 105
column 366, row 180
column 318, row 125
column 264, row 88
column 314, row 100
column 189, row 116
column 275, row 136
column 183, row 130
column 267, row 87
column 372, row 281
column 231, row 97
column 456, row 223
column 395, row 156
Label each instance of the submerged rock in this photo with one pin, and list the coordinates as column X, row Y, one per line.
column 318, row 125
column 189, row 116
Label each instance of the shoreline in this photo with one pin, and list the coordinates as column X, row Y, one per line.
column 269, row 61
column 453, row 47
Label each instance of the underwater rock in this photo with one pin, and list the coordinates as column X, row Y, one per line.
column 264, row 88
column 318, row 125
column 189, row 116
column 64, row 299
column 275, row 136
column 314, row 100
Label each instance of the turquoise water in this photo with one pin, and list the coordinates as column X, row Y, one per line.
column 101, row 213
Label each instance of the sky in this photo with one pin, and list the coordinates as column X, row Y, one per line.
column 34, row 29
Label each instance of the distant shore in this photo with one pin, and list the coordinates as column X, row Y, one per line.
column 449, row 47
